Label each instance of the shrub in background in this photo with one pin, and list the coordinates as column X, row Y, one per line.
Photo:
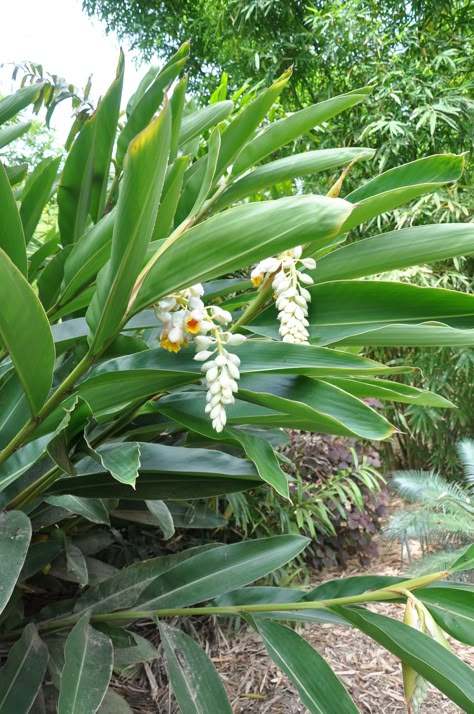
column 155, row 216
column 337, row 498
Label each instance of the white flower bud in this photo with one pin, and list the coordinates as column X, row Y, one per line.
column 202, row 355
column 308, row 263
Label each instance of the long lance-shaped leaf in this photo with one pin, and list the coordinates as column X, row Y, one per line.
column 239, row 237
column 15, row 536
column 191, row 415
column 87, row 257
column 87, row 670
column 220, row 570
column 391, row 391
column 21, row 676
column 75, row 185
column 361, row 313
column 11, row 133
column 453, row 610
column 166, row 472
column 281, row 132
column 288, row 168
column 36, row 194
column 147, row 103
column 137, row 207
column 320, row 690
column 201, row 120
column 243, row 126
column 396, row 249
column 106, row 119
column 309, row 398
column 23, row 323
column 12, row 238
column 193, row 677
column 401, row 184
column 14, row 103
column 121, row 590
column 423, row 654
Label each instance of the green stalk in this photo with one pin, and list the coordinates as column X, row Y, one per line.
column 33, row 423
column 390, row 593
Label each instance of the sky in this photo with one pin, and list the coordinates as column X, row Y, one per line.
column 57, row 34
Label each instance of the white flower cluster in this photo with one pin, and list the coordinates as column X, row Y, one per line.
column 222, row 371
column 183, row 316
column 186, row 318
column 291, row 297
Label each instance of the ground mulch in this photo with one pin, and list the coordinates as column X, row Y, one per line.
column 256, row 686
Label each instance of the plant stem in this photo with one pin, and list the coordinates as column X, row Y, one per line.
column 390, row 593
column 33, row 423
column 254, row 307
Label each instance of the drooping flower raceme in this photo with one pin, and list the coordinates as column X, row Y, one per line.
column 186, row 318
column 291, row 297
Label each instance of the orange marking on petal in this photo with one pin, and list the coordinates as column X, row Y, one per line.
column 192, row 325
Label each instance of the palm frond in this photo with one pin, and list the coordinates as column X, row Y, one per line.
column 465, row 449
column 427, row 487
column 435, row 562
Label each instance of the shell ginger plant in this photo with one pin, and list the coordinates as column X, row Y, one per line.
column 140, row 369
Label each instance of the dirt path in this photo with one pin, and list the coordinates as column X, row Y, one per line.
column 256, row 686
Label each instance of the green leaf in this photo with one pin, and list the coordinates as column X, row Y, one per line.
column 391, row 391
column 92, row 509
column 290, row 167
column 121, row 460
column 23, row 323
column 191, row 414
column 76, row 184
column 453, row 610
column 76, row 564
column 281, row 132
column 49, row 282
column 13, row 132
column 320, row 690
column 16, row 173
column 178, row 100
column 171, row 194
column 359, row 312
column 21, row 460
column 88, row 256
column 139, row 650
column 162, row 516
column 401, row 184
column 218, row 571
column 465, row 562
column 12, row 239
column 22, row 675
column 146, row 104
column 15, row 536
column 198, row 122
column 395, row 250
column 137, row 207
column 36, row 194
column 194, row 679
column 308, row 399
column 122, row 590
column 166, row 472
column 247, row 120
column 239, row 237
column 107, row 115
column 14, row 103
column 426, row 656
column 113, row 703
column 87, row 670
